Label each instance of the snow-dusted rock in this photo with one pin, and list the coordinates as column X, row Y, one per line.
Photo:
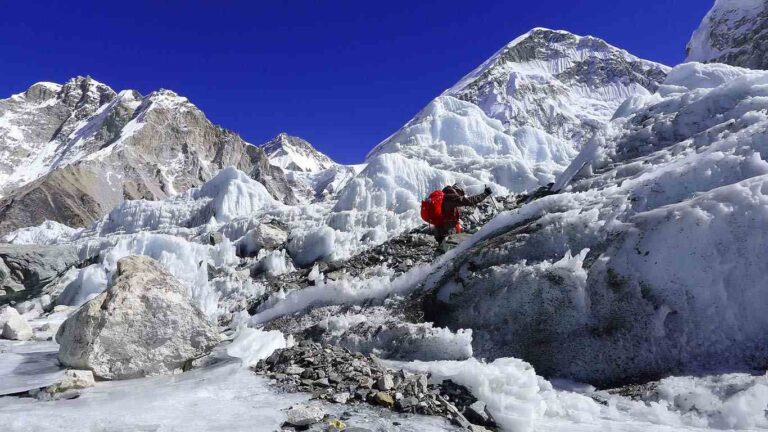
column 304, row 415
column 734, row 32
column 72, row 152
column 264, row 236
column 272, row 177
column 16, row 326
column 295, row 154
column 67, row 387
column 144, row 324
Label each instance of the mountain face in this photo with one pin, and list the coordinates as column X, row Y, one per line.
column 72, row 152
column 295, row 154
column 557, row 82
column 513, row 123
column 48, row 126
column 734, row 32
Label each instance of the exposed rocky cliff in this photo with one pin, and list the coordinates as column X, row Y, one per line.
column 734, row 32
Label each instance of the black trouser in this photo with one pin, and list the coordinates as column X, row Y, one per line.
column 442, row 231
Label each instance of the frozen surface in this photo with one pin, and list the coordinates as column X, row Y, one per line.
column 226, row 396
column 27, row 365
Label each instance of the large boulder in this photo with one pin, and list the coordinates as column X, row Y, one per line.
column 144, row 324
column 25, row 270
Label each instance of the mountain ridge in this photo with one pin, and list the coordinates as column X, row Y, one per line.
column 92, row 148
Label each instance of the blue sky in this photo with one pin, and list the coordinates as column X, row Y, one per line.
column 342, row 74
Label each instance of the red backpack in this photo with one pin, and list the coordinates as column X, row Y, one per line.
column 432, row 208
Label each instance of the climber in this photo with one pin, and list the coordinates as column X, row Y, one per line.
column 441, row 209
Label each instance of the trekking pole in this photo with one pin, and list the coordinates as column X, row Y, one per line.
column 496, row 205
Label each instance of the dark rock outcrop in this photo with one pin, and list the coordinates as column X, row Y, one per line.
column 25, row 270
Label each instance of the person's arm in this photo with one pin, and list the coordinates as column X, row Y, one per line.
column 465, row 201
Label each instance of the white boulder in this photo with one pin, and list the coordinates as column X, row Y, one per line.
column 5, row 313
column 15, row 327
column 264, row 236
column 304, row 415
column 144, row 324
column 68, row 387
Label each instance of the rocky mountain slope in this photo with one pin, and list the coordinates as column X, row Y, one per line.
column 734, row 32
column 72, row 152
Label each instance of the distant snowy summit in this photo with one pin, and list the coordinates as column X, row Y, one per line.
column 560, row 85
column 557, row 81
column 734, row 32
column 295, row 154
column 312, row 174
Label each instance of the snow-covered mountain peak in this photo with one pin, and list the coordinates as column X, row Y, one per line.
column 295, row 154
column 514, row 123
column 557, row 82
column 734, row 32
column 557, row 52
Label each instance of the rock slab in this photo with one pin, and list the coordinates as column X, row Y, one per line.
column 25, row 270
column 144, row 324
column 304, row 415
column 15, row 327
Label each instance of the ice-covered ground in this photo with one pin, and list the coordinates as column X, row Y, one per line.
column 229, row 396
column 225, row 396
column 522, row 401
